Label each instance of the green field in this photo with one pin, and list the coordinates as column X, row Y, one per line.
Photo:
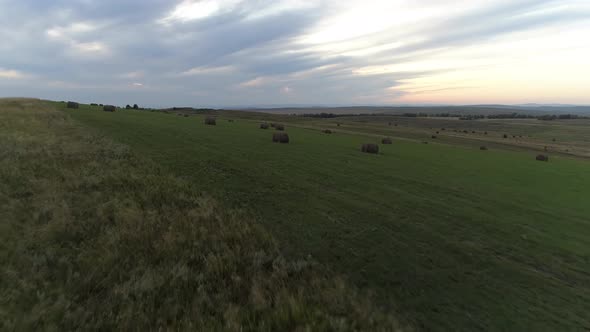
column 94, row 237
column 457, row 238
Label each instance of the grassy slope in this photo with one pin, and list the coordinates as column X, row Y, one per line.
column 93, row 237
column 465, row 239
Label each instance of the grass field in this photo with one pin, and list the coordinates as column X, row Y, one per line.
column 96, row 237
column 461, row 239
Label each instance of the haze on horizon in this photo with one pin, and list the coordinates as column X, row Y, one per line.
column 281, row 52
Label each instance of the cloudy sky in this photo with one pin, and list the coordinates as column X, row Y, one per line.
column 286, row 52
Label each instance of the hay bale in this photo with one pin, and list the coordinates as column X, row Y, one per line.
column 109, row 108
column 370, row 148
column 272, row 124
column 279, row 127
column 433, row 136
column 484, row 148
column 542, row 157
column 386, row 140
column 72, row 104
column 327, row 131
column 280, row 138
column 210, row 121
column 264, row 126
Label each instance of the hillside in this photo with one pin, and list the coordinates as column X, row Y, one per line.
column 462, row 239
column 96, row 237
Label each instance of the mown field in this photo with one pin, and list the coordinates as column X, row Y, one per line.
column 459, row 238
column 94, row 237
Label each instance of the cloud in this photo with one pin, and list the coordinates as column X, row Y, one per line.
column 208, row 70
column 11, row 74
column 242, row 52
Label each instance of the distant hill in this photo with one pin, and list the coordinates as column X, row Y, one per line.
column 531, row 109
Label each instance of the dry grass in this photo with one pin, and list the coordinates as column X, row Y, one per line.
column 94, row 238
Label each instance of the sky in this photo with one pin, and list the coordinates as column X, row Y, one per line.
column 221, row 53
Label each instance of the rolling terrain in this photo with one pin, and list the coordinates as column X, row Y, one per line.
column 96, row 237
column 460, row 238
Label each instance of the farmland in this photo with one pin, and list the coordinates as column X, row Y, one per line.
column 448, row 235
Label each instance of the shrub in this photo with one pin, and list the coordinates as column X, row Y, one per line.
column 483, row 148
column 505, row 136
column 542, row 157
column 109, row 108
column 210, row 121
column 280, row 138
column 264, row 126
column 73, row 105
column 370, row 148
column 327, row 131
column 433, row 136
column 386, row 140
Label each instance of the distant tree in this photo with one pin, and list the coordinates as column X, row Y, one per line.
column 135, row 107
column 128, row 106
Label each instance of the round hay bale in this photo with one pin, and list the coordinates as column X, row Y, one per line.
column 264, row 126
column 279, row 127
column 370, row 148
column 386, row 140
column 327, row 131
column 280, row 138
column 542, row 157
column 272, row 124
column 210, row 121
column 483, row 148
column 73, row 105
column 109, row 108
